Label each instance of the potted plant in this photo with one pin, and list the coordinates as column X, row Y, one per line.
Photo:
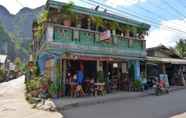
column 142, row 32
column 53, row 90
column 137, row 85
column 113, row 26
column 133, row 31
column 98, row 21
column 126, row 29
column 68, row 13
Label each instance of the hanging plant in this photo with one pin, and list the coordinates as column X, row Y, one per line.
column 125, row 29
column 98, row 21
column 113, row 25
column 133, row 31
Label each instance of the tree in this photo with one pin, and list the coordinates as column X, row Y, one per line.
column 181, row 47
column 17, row 62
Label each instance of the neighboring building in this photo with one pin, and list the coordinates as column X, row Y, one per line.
column 3, row 61
column 162, row 60
column 66, row 44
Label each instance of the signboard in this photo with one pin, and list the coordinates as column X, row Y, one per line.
column 105, row 35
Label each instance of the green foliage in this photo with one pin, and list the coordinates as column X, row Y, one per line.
column 181, row 47
column 67, row 11
column 98, row 21
column 43, row 17
column 113, row 25
column 53, row 90
column 17, row 62
column 137, row 84
column 33, row 84
column 2, row 74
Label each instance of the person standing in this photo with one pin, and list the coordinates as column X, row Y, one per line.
column 80, row 80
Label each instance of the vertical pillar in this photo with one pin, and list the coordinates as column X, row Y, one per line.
column 163, row 68
column 64, row 65
column 145, row 70
column 50, row 32
column 137, row 70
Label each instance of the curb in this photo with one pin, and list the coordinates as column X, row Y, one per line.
column 107, row 100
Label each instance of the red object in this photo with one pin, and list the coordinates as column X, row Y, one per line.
column 94, row 58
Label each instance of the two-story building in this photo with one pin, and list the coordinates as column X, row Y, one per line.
column 104, row 43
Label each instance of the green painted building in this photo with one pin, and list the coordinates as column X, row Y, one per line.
column 102, row 41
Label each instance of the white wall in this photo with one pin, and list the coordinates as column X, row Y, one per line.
column 49, row 33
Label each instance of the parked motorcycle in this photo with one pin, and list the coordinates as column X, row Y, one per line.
column 160, row 88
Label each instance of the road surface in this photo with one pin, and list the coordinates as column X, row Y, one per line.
column 165, row 106
column 14, row 105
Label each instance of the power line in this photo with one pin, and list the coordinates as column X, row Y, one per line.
column 174, row 9
column 122, row 11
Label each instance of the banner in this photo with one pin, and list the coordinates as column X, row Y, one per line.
column 105, row 35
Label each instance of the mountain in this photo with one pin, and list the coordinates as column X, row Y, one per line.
column 6, row 45
column 21, row 23
column 19, row 29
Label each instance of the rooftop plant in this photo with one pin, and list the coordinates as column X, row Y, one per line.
column 67, row 10
column 98, row 21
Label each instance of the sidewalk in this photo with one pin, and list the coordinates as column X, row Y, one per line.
column 14, row 105
column 68, row 102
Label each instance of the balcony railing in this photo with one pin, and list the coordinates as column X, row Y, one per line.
column 91, row 38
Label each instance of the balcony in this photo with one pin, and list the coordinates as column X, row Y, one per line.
column 78, row 36
column 89, row 42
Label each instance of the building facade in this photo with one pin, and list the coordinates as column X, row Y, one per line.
column 104, row 43
column 162, row 60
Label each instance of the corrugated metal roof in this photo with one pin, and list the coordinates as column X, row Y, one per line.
column 3, row 58
column 166, row 60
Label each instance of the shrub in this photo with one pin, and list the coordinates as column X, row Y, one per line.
column 137, row 84
column 2, row 74
column 33, row 84
column 53, row 89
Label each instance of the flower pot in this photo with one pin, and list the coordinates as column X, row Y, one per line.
column 34, row 93
column 67, row 22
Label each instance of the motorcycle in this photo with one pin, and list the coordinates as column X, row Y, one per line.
column 160, row 88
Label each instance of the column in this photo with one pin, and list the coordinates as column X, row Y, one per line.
column 137, row 70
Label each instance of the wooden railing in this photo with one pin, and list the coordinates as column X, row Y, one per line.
column 90, row 38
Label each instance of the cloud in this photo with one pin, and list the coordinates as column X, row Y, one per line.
column 123, row 2
column 165, row 36
column 15, row 5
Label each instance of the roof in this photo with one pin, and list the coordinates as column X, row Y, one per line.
column 168, row 51
column 166, row 60
column 3, row 59
column 109, row 16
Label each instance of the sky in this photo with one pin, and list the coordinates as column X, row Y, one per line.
column 166, row 17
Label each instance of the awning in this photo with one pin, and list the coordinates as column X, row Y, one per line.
column 166, row 60
column 3, row 59
column 93, row 57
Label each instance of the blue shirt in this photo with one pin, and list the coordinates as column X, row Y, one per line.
column 80, row 77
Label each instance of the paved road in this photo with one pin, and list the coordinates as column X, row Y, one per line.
column 148, row 107
column 14, row 105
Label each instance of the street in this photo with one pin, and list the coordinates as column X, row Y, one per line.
column 165, row 106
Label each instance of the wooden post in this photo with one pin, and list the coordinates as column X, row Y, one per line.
column 163, row 68
column 64, row 64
